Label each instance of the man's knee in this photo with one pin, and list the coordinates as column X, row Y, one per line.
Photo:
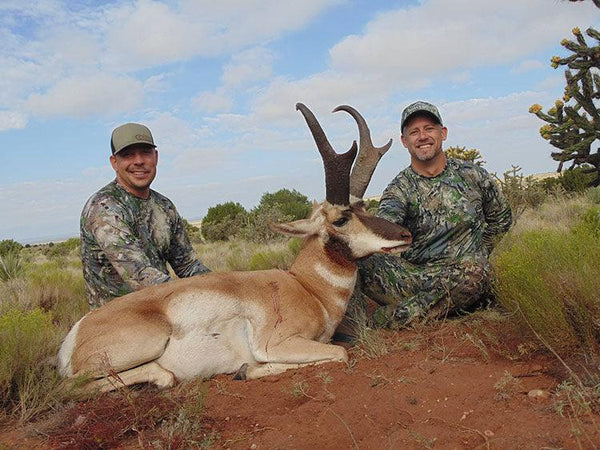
column 474, row 283
column 385, row 279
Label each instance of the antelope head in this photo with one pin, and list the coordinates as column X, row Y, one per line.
column 343, row 225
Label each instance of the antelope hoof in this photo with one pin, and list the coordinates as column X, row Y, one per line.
column 241, row 373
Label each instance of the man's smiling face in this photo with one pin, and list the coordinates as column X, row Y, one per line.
column 135, row 167
column 423, row 138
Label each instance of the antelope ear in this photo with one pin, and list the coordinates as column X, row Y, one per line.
column 304, row 227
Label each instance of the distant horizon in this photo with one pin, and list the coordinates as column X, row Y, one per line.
column 217, row 84
column 40, row 240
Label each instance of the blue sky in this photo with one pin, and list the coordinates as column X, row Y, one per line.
column 217, row 81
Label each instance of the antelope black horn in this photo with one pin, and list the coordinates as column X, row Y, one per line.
column 337, row 165
column 368, row 155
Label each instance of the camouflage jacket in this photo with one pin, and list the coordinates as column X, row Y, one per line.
column 126, row 243
column 453, row 215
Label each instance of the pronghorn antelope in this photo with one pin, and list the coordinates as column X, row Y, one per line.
column 249, row 323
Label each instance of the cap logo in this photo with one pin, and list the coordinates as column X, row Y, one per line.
column 143, row 137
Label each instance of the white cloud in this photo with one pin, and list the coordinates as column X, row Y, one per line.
column 319, row 91
column 66, row 43
column 244, row 70
column 528, row 66
column 440, row 36
column 214, row 102
column 502, row 129
column 149, row 32
column 248, row 67
column 172, row 134
column 157, row 83
column 11, row 120
column 84, row 96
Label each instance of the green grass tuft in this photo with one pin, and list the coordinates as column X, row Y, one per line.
column 28, row 380
column 552, row 279
column 11, row 266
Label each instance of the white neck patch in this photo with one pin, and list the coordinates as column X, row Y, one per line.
column 338, row 281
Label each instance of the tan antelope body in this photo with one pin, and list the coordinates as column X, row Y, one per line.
column 249, row 323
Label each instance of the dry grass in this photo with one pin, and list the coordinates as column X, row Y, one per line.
column 561, row 213
column 239, row 255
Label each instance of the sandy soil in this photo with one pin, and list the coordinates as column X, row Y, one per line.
column 458, row 384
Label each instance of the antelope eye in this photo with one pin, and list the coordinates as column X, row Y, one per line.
column 340, row 222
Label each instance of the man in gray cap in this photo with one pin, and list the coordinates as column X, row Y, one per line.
column 455, row 212
column 130, row 232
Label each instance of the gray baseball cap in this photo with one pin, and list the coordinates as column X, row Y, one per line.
column 129, row 134
column 420, row 107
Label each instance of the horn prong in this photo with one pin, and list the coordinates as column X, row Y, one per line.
column 337, row 165
column 368, row 155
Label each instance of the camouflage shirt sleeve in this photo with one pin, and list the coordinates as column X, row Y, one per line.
column 126, row 243
column 456, row 214
column 496, row 208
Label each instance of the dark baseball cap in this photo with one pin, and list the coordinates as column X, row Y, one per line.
column 420, row 108
column 129, row 134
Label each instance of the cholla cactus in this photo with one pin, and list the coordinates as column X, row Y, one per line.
column 471, row 154
column 573, row 123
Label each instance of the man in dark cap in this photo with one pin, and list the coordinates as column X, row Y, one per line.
column 129, row 232
column 455, row 212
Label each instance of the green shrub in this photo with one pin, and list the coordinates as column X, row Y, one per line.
column 275, row 257
column 575, row 180
column 372, row 206
column 257, row 227
column 58, row 290
column 62, row 249
column 193, row 232
column 281, row 206
column 11, row 265
column 292, row 203
column 223, row 221
column 270, row 260
column 591, row 221
column 520, row 191
column 552, row 279
column 571, row 180
column 238, row 255
column 294, row 245
column 592, row 195
column 9, row 246
column 28, row 381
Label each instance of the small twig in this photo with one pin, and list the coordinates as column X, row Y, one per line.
column 303, row 392
column 221, row 390
column 347, row 428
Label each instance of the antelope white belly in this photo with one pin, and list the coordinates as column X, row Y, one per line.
column 222, row 348
column 210, row 336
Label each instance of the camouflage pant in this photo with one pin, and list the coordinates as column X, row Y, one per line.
column 407, row 291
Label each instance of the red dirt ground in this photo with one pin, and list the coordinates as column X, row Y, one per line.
column 455, row 385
